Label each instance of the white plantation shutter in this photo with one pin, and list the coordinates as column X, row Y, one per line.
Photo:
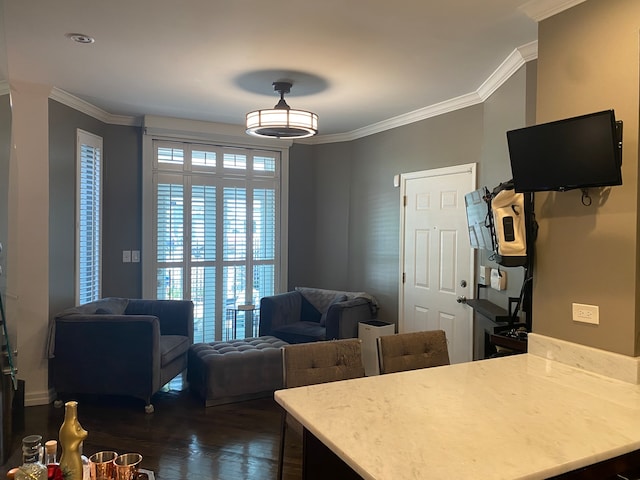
column 216, row 211
column 88, row 217
column 170, row 240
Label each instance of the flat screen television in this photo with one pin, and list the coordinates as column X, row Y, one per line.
column 578, row 152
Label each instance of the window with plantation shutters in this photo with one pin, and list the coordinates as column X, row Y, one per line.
column 215, row 224
column 88, row 217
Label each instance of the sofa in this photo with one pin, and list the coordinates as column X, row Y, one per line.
column 312, row 314
column 119, row 346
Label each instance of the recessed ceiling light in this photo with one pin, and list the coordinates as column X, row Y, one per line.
column 80, row 37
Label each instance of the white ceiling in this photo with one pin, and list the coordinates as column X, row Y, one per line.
column 354, row 62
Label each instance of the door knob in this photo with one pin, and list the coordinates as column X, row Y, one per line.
column 461, row 299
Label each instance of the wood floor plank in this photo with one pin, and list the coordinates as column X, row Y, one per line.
column 181, row 440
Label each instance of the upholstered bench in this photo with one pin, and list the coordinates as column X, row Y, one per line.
column 235, row 370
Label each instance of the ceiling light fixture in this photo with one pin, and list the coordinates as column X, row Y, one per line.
column 282, row 121
column 80, row 37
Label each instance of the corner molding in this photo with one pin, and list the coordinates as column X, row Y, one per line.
column 511, row 64
column 539, row 10
column 87, row 108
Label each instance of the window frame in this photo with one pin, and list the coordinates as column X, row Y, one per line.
column 159, row 129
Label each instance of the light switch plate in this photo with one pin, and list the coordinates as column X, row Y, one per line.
column 135, row 256
column 126, row 256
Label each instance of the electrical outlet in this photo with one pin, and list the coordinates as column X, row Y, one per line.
column 586, row 313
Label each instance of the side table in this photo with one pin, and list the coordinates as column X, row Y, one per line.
column 231, row 322
column 368, row 332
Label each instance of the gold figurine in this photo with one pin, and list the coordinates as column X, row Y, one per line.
column 71, row 436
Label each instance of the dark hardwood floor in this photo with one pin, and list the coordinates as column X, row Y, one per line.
column 181, row 440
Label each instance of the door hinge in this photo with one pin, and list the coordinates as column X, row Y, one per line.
column 404, row 277
column 404, row 200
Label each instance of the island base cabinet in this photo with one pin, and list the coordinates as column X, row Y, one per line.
column 320, row 463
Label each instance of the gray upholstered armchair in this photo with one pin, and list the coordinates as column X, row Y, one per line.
column 118, row 346
column 314, row 314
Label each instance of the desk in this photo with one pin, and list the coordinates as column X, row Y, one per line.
column 515, row 417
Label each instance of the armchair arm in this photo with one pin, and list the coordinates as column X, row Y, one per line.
column 107, row 354
column 279, row 310
column 175, row 316
column 343, row 317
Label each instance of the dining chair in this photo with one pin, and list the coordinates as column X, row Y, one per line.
column 411, row 351
column 313, row 363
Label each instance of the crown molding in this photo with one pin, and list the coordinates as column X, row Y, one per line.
column 511, row 64
column 85, row 107
column 415, row 116
column 505, row 70
column 538, row 10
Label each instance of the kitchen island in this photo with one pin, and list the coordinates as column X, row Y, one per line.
column 516, row 417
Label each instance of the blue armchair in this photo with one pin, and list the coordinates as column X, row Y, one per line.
column 314, row 314
column 118, row 346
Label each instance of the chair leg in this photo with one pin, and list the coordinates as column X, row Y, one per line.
column 283, row 430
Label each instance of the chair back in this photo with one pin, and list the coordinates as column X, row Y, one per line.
column 411, row 351
column 322, row 362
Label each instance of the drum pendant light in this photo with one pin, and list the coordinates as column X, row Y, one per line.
column 282, row 121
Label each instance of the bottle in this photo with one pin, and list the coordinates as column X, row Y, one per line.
column 32, row 468
column 51, row 458
column 71, row 436
column 86, row 470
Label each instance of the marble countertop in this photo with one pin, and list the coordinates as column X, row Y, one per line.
column 517, row 417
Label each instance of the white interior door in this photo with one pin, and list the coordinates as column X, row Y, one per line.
column 437, row 260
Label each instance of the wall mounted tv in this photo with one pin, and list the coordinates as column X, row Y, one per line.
column 578, row 152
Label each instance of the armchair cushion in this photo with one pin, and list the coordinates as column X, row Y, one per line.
column 301, row 332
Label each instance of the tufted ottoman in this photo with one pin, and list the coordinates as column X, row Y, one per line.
column 235, row 370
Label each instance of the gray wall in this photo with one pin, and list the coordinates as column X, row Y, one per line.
column 347, row 189
column 512, row 106
column 302, row 224
column 588, row 61
column 122, row 211
column 121, row 204
column 5, row 147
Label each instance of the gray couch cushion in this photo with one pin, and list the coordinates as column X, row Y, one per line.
column 337, row 299
column 322, row 298
column 171, row 347
column 109, row 306
column 301, row 332
column 318, row 297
